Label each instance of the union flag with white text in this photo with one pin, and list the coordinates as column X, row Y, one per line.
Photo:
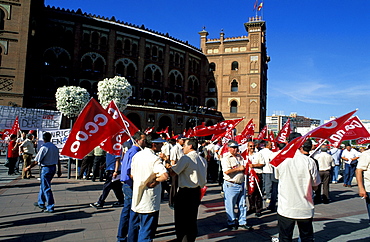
column 93, row 125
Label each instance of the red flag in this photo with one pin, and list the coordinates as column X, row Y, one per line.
column 93, row 125
column 262, row 134
column 148, row 130
column 271, row 138
column 350, row 130
column 113, row 144
column 362, row 141
column 14, row 130
column 284, row 133
column 248, row 129
column 202, row 126
column 324, row 131
column 255, row 5
column 225, row 139
column 189, row 133
column 252, row 177
column 218, row 128
column 260, row 6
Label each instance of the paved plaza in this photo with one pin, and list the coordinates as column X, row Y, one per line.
column 344, row 219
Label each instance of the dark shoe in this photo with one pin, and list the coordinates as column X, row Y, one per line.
column 232, row 227
column 36, row 204
column 48, row 211
column 93, row 179
column 247, row 227
column 96, row 205
column 258, row 215
column 117, row 204
column 31, row 177
column 345, row 185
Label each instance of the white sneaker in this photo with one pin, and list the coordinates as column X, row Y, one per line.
column 268, row 201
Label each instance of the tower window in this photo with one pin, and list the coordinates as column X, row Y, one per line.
column 233, row 107
column 234, row 86
column 234, row 66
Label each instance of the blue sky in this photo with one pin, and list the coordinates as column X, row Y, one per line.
column 320, row 62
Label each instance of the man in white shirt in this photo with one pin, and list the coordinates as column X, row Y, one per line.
column 175, row 154
column 256, row 163
column 192, row 171
column 297, row 178
column 267, row 170
column 325, row 162
column 363, row 178
column 147, row 172
column 349, row 157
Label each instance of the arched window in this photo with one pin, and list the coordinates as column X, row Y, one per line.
column 172, row 78
column 119, row 46
column 195, row 102
column 190, row 101
column 120, row 69
column 87, row 63
column 2, row 19
column 95, row 40
column 212, row 66
column 171, row 98
column 179, row 99
column 156, row 96
column 131, row 71
column 127, row 47
column 177, row 59
column 233, row 107
column 211, row 86
column 103, row 43
column 157, row 76
column 147, row 52
column 147, row 94
column 179, row 81
column 148, row 74
column 134, row 50
column 99, row 65
column 154, row 53
column 234, row 66
column 234, row 86
column 160, row 55
column 211, row 103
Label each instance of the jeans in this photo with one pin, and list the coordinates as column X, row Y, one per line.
column 286, row 227
column 142, row 226
column 335, row 173
column 349, row 172
column 125, row 214
column 46, row 197
column 234, row 194
column 367, row 200
column 267, row 184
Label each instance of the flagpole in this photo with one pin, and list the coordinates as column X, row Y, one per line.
column 128, row 132
column 317, row 148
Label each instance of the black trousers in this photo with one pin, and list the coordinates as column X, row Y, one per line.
column 87, row 163
column 98, row 161
column 187, row 202
column 116, row 186
column 286, row 227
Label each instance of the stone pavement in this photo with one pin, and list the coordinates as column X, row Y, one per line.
column 344, row 219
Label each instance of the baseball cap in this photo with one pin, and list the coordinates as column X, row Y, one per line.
column 232, row 144
column 158, row 140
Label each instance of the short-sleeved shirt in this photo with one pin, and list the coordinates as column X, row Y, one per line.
column 257, row 158
column 325, row 161
column 266, row 153
column 48, row 155
column 110, row 162
column 12, row 153
column 28, row 147
column 229, row 162
column 297, row 176
column 192, row 170
column 126, row 165
column 145, row 167
column 176, row 152
column 364, row 164
column 349, row 155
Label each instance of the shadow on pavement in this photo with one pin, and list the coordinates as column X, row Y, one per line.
column 40, row 236
column 334, row 229
column 91, row 187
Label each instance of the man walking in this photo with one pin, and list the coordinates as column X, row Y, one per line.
column 350, row 157
column 48, row 159
column 326, row 162
column 192, row 172
column 297, row 177
column 28, row 150
column 363, row 178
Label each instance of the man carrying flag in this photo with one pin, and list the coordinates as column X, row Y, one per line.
column 234, row 191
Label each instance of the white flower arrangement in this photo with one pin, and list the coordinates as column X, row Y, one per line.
column 117, row 89
column 71, row 100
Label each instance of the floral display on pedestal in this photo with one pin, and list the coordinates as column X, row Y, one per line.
column 71, row 100
column 117, row 89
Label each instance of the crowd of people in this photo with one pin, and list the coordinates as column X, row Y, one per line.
column 151, row 167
